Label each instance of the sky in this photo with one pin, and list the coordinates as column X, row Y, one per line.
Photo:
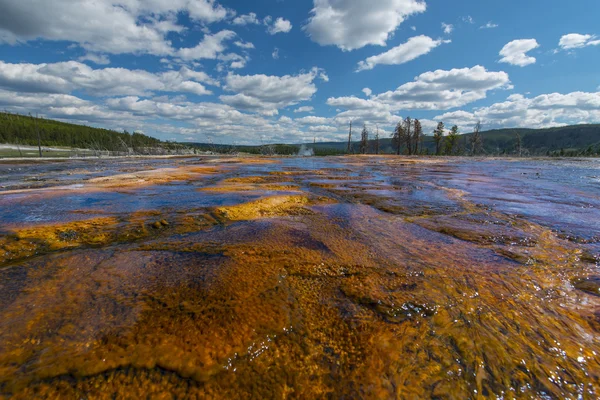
column 294, row 71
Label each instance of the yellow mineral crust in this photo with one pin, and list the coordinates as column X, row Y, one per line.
column 266, row 207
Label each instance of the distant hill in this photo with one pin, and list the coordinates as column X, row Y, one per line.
column 23, row 130
column 571, row 140
column 17, row 129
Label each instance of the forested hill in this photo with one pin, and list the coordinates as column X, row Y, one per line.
column 567, row 140
column 23, row 130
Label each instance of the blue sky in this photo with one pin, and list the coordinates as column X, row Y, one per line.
column 235, row 71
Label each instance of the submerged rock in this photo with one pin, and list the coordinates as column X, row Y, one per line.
column 157, row 225
column 589, row 285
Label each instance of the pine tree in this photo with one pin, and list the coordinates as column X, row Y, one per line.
column 438, row 135
column 417, row 135
column 452, row 140
column 364, row 140
column 408, row 134
column 397, row 137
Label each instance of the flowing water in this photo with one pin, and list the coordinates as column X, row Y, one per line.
column 345, row 277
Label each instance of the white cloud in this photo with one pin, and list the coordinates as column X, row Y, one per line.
column 352, row 24
column 99, row 59
column 412, row 49
column 489, row 25
column 323, row 76
column 235, row 61
column 304, row 109
column 104, row 26
column 248, row 19
column 244, row 45
column 468, row 19
column 576, row 41
column 267, row 93
column 280, row 25
column 323, row 129
column 275, row 54
column 440, row 90
column 67, row 77
column 514, row 52
column 312, row 120
column 209, row 48
column 447, row 28
column 367, row 92
column 543, row 111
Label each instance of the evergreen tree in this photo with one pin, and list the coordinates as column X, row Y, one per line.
column 451, row 141
column 397, row 137
column 364, row 140
column 438, row 136
column 408, row 134
column 417, row 135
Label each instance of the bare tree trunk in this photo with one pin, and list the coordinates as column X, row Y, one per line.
column 350, row 139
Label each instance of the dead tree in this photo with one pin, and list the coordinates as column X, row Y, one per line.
column 349, row 150
column 475, row 139
column 377, row 140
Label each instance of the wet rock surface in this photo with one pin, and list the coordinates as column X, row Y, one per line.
column 350, row 277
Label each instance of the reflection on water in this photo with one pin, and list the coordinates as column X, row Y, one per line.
column 356, row 277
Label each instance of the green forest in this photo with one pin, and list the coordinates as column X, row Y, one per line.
column 27, row 130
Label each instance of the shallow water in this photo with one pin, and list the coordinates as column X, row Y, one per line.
column 345, row 277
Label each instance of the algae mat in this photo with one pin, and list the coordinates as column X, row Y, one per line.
column 350, row 277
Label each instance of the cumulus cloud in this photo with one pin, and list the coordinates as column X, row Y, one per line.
column 264, row 93
column 104, row 26
column 514, row 52
column 447, row 28
column 367, row 92
column 542, row 111
column 209, row 48
column 67, row 77
column 100, row 59
column 275, row 54
column 247, row 19
column 323, row 129
column 576, row 41
column 281, row 25
column 441, row 89
column 352, row 24
column 412, row 49
column 312, row 120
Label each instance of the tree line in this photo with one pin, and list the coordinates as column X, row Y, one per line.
column 408, row 138
column 28, row 130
